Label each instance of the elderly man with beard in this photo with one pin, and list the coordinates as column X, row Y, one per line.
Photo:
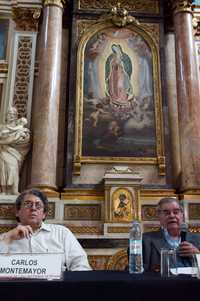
column 170, row 214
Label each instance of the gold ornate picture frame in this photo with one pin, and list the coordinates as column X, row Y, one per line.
column 118, row 95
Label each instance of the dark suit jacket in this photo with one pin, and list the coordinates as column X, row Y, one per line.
column 154, row 241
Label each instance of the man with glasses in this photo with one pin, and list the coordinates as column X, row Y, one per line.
column 33, row 236
column 170, row 214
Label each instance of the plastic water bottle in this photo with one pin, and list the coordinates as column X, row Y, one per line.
column 135, row 248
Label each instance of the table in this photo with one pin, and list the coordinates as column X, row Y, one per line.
column 103, row 285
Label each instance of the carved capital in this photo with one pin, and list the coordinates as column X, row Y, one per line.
column 54, row 3
column 196, row 27
column 179, row 6
column 25, row 18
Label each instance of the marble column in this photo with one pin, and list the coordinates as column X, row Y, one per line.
column 171, row 94
column 188, row 96
column 46, row 105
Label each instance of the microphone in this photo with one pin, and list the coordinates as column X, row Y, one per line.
column 183, row 231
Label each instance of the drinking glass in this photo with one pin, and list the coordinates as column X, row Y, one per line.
column 168, row 266
column 195, row 266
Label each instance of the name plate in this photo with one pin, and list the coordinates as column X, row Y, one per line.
column 32, row 266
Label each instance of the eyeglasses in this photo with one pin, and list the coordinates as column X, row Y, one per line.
column 168, row 212
column 31, row 205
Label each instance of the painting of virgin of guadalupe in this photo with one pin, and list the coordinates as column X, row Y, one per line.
column 118, row 96
column 117, row 76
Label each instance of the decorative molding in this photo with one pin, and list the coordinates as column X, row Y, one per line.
column 51, row 210
column 48, row 190
column 82, row 194
column 118, row 229
column 7, row 211
column 194, row 211
column 26, row 19
column 6, row 228
column 158, row 193
column 23, row 74
column 194, row 228
column 141, row 6
column 191, row 192
column 85, row 230
column 82, row 212
column 148, row 212
column 92, row 194
column 150, row 227
column 123, row 172
column 3, row 67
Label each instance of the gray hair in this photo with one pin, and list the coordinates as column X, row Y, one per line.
column 168, row 200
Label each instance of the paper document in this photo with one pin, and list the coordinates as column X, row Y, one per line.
column 184, row 270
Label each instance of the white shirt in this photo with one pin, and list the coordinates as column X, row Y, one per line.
column 52, row 238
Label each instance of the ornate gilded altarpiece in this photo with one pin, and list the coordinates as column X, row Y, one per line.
column 115, row 118
column 118, row 88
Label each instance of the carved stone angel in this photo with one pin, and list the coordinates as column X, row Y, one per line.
column 14, row 145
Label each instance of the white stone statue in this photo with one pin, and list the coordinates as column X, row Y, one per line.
column 14, row 145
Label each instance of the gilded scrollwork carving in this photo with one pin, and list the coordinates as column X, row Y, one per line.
column 83, row 26
column 150, row 6
column 118, row 261
column 98, row 262
column 24, row 58
column 196, row 27
column 154, row 30
column 181, row 6
column 25, row 18
column 119, row 16
column 194, row 228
